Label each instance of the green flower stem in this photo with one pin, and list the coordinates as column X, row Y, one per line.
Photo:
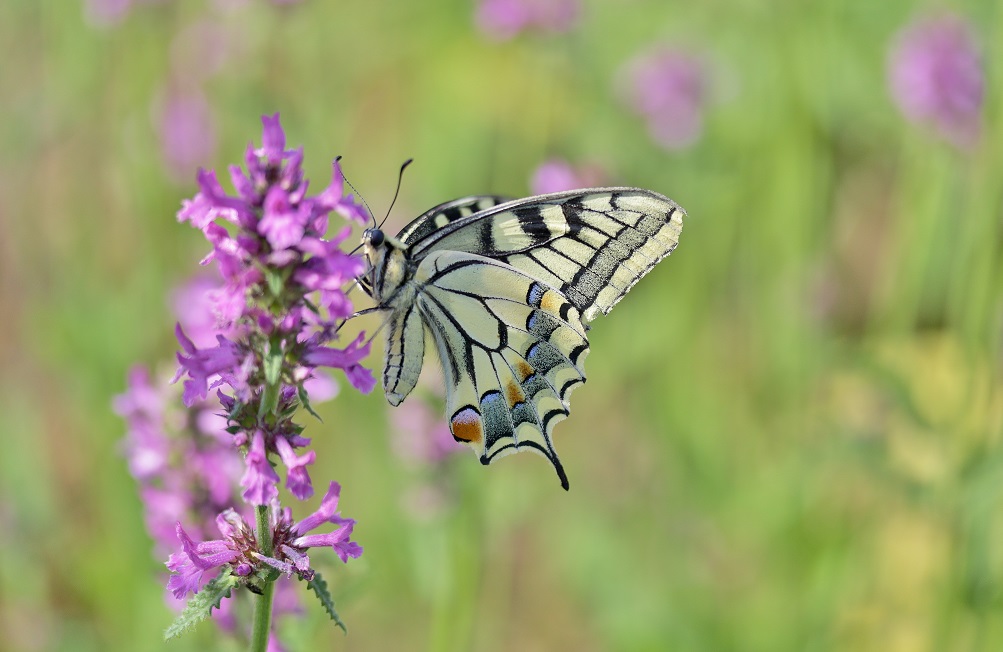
column 263, row 603
column 269, row 405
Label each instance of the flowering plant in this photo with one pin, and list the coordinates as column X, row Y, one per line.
column 275, row 323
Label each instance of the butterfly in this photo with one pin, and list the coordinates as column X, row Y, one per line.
column 504, row 291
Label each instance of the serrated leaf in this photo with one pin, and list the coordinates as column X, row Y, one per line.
column 201, row 604
column 305, row 401
column 319, row 587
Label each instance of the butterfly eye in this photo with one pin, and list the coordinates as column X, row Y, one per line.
column 376, row 238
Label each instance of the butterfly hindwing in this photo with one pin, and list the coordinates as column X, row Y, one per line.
column 591, row 245
column 512, row 352
column 405, row 353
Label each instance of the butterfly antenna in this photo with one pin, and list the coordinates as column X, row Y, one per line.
column 400, row 176
column 357, row 193
column 359, row 313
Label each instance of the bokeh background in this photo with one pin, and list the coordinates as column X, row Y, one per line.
column 791, row 434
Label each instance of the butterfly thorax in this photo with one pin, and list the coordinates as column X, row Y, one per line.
column 388, row 264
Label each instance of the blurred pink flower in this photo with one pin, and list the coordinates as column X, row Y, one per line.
column 193, row 306
column 936, row 77
column 505, row 19
column 421, row 434
column 670, row 89
column 107, row 13
column 557, row 175
column 187, row 131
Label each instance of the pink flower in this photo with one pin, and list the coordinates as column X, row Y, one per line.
column 505, row 19
column 557, row 175
column 187, row 131
column 936, row 76
column 669, row 88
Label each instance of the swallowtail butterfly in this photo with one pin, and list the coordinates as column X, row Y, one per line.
column 504, row 291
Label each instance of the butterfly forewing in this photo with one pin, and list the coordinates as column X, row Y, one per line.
column 444, row 214
column 591, row 245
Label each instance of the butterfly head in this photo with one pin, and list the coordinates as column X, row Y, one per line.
column 373, row 238
column 387, row 263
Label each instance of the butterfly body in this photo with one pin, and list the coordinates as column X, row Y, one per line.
column 504, row 291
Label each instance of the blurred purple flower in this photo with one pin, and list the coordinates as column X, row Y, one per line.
column 557, row 175
column 936, row 77
column 185, row 464
column 420, row 434
column 106, row 13
column 187, row 131
column 505, row 19
column 193, row 305
column 206, row 48
column 669, row 88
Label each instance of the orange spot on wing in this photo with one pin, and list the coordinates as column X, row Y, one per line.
column 525, row 371
column 551, row 302
column 514, row 394
column 466, row 429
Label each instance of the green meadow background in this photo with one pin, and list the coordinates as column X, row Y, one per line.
column 791, row 434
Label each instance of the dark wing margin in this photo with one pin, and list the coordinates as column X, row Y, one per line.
column 439, row 216
column 592, row 245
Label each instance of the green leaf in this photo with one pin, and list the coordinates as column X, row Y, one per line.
column 305, row 400
column 319, row 586
column 202, row 603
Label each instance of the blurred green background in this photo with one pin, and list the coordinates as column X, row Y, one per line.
column 791, row 434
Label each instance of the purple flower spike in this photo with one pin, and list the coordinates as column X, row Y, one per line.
column 257, row 335
column 260, row 479
column 936, row 77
